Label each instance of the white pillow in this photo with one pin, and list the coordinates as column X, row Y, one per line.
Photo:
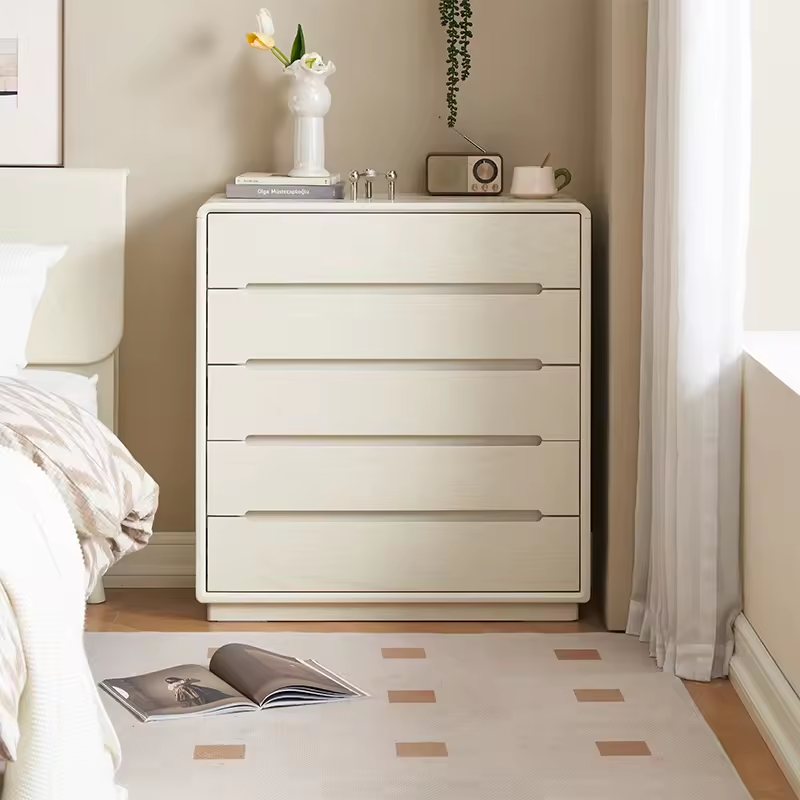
column 23, row 278
column 78, row 388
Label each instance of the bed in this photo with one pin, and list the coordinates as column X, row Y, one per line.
column 76, row 331
column 79, row 323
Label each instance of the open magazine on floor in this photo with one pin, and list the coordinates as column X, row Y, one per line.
column 240, row 677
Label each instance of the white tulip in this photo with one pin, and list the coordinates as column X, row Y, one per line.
column 313, row 62
column 265, row 24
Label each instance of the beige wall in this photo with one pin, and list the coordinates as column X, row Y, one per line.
column 168, row 89
column 774, row 259
column 621, row 74
column 771, row 514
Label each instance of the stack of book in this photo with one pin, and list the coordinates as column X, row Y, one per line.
column 271, row 186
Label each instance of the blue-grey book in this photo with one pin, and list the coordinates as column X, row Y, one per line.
column 284, row 192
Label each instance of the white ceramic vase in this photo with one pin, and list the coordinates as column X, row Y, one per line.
column 309, row 102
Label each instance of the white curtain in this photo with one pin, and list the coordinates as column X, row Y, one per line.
column 686, row 591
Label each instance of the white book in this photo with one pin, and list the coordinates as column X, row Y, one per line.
column 273, row 178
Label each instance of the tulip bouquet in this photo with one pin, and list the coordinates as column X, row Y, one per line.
column 264, row 39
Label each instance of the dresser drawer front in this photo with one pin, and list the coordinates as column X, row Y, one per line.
column 259, row 324
column 394, row 248
column 245, row 401
column 290, row 553
column 263, row 476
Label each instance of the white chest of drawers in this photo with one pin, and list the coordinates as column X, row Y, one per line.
column 393, row 409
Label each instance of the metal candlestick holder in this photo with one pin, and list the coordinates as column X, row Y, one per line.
column 369, row 176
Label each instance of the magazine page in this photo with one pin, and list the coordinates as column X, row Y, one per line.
column 176, row 692
column 260, row 674
column 350, row 688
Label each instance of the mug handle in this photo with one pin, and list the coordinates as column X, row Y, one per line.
column 566, row 175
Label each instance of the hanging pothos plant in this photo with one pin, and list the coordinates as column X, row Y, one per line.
column 456, row 18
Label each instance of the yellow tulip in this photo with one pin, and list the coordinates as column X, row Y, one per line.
column 260, row 41
column 264, row 38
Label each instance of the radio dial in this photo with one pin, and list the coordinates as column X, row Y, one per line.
column 485, row 171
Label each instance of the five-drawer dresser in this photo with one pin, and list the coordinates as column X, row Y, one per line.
column 393, row 405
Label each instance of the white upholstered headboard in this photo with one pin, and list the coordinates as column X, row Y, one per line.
column 78, row 326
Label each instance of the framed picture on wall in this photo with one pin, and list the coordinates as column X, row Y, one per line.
column 31, row 47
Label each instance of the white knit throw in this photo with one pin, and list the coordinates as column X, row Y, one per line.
column 68, row 747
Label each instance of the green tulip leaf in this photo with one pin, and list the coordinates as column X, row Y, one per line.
column 299, row 46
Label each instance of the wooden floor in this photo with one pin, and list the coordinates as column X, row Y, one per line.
column 177, row 610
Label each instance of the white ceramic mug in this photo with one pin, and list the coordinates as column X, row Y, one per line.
column 539, row 182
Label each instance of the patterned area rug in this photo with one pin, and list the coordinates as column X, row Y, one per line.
column 451, row 717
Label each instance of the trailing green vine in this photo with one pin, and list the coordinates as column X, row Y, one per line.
column 456, row 19
column 466, row 38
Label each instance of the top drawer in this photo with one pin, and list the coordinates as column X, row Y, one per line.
column 320, row 248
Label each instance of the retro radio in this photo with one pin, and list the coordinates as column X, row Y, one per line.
column 458, row 174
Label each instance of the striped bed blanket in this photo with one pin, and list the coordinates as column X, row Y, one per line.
column 110, row 498
column 68, row 746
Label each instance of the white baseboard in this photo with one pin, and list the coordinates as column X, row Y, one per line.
column 167, row 562
column 148, row 581
column 769, row 698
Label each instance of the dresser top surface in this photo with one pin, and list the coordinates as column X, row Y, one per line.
column 405, row 203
